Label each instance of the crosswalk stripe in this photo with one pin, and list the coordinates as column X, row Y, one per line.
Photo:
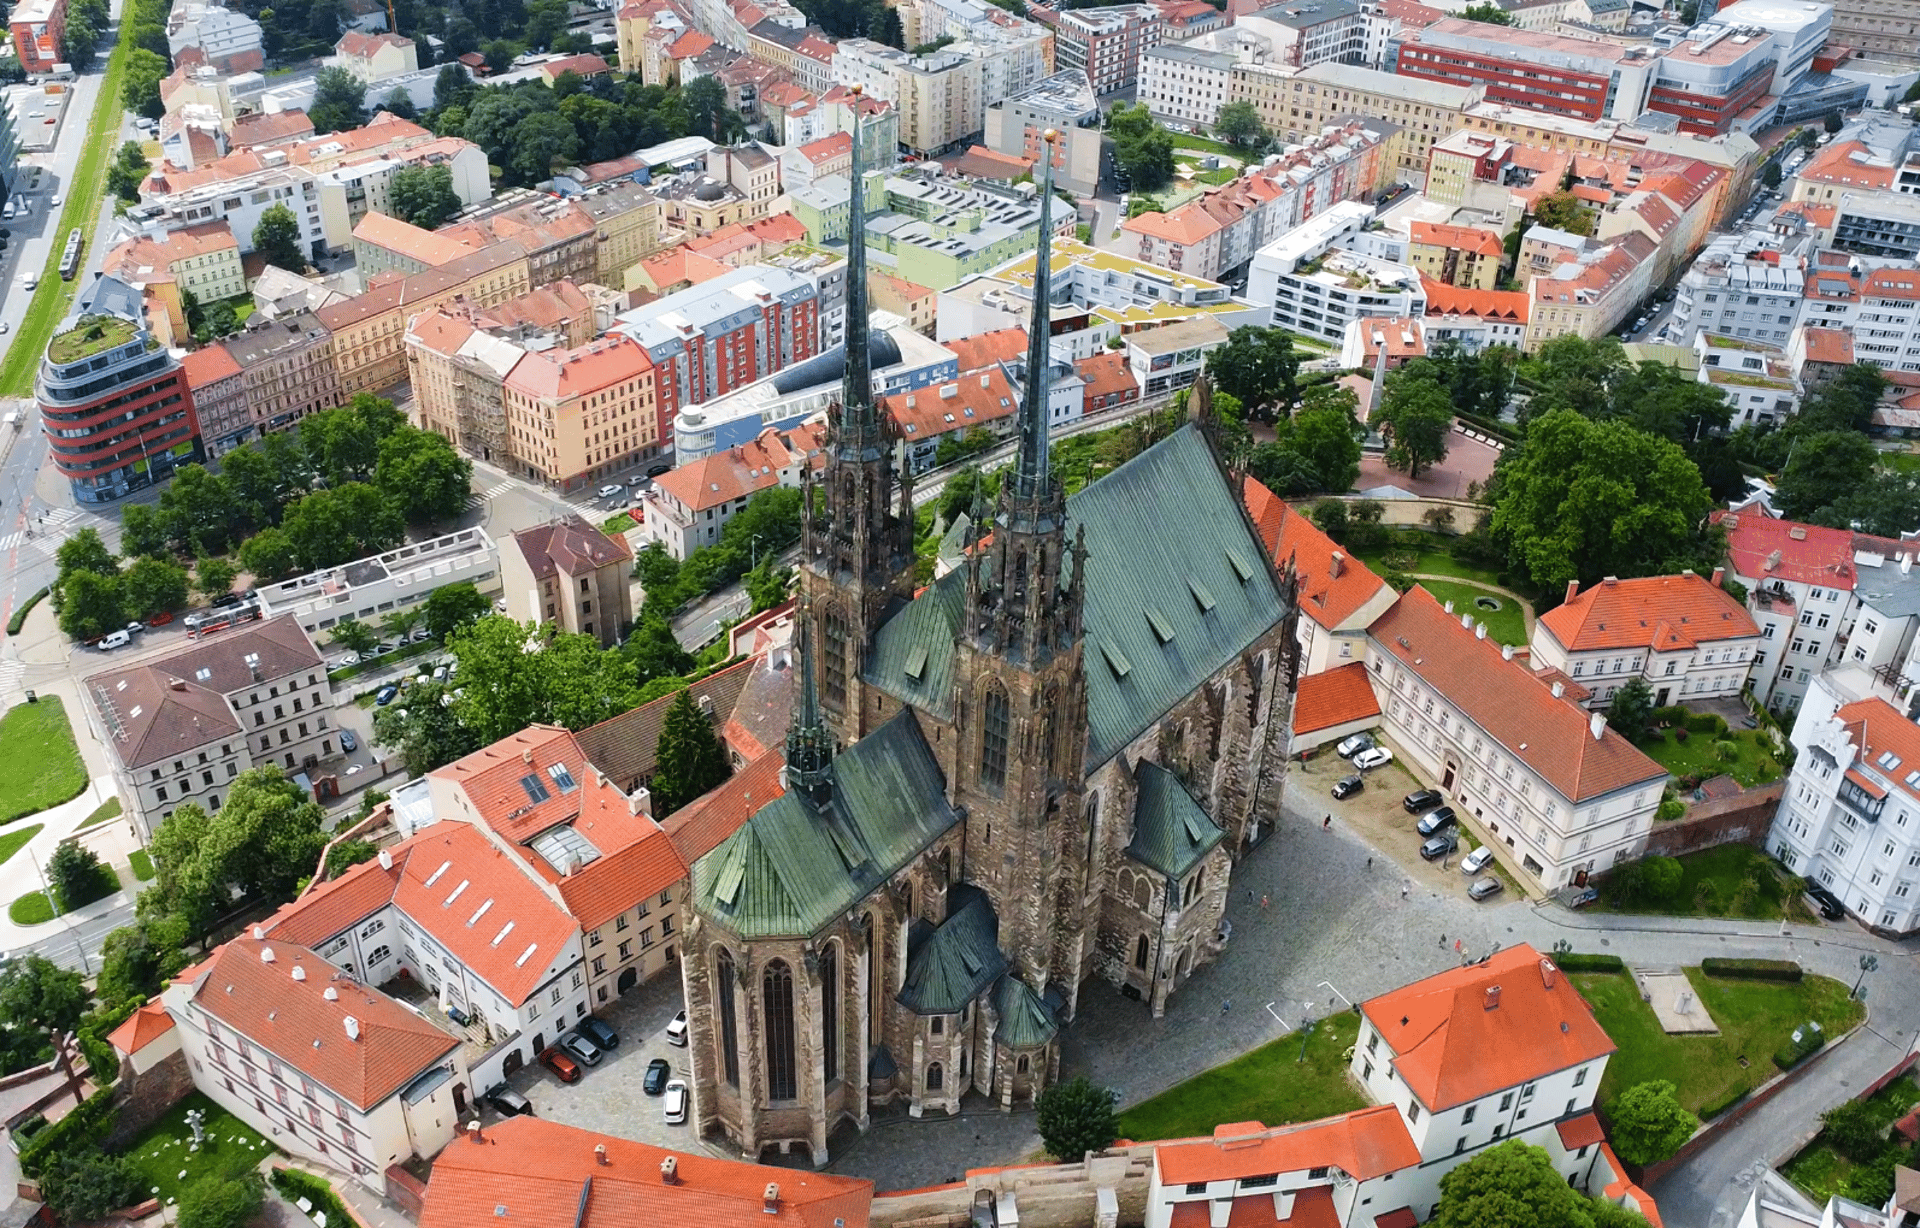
column 11, row 540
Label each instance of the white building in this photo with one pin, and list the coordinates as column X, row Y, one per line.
column 366, row 589
column 1850, row 819
column 1685, row 635
column 1331, row 270
column 1749, row 286
column 688, row 507
column 1756, row 379
column 1561, row 795
column 1170, row 357
column 238, row 202
column 1186, row 85
column 221, row 34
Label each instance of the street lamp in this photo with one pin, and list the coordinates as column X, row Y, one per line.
column 753, row 552
column 1867, row 964
column 1306, row 1030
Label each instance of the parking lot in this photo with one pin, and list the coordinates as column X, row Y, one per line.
column 609, row 1097
column 1376, row 815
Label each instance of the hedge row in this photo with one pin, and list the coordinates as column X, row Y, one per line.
column 1793, row 1053
column 297, row 1185
column 1576, row 961
column 19, row 618
column 79, row 1131
column 1753, row 969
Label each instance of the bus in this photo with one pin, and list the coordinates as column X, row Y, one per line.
column 70, row 258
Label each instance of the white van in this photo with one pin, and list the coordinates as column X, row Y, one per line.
column 116, row 639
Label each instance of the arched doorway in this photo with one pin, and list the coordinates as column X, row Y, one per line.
column 1446, row 781
column 628, row 979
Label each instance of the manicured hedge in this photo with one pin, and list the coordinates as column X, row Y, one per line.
column 296, row 1185
column 19, row 618
column 79, row 1131
column 1753, row 969
column 1576, row 961
column 1792, row 1054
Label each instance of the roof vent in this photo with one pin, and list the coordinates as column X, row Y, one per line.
column 1547, row 972
column 1798, row 532
column 772, row 1198
column 299, row 973
column 386, row 860
column 600, row 1153
column 1559, row 689
column 259, row 932
column 1493, row 997
column 331, row 994
column 1506, row 652
column 1479, row 631
column 266, row 955
column 1597, row 725
column 670, row 1170
column 353, row 1027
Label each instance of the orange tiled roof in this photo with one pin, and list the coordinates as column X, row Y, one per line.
column 1334, row 697
column 564, row 374
column 1850, row 163
column 1364, row 1144
column 209, row 365
column 1106, row 374
column 427, row 246
column 357, row 44
column 1329, row 599
column 1879, row 730
column 744, row 469
column 1451, row 1047
column 1762, row 548
column 1446, row 300
column 1461, row 238
column 1581, row 1131
column 1312, row 1208
column 827, row 148
column 328, row 908
column 1830, row 345
column 583, row 65
column 1661, row 612
column 989, row 349
column 679, row 265
column 535, row 1173
column 1507, row 702
column 701, row 826
column 141, row 1028
column 689, row 45
column 977, row 399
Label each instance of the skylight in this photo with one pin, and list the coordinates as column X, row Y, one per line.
column 562, row 777
column 536, row 792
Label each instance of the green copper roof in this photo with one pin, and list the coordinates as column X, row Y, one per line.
column 790, row 870
column 959, row 960
column 1176, row 587
column 1171, row 833
column 1025, row 1020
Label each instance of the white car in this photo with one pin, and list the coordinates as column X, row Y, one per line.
column 677, row 1030
column 612, row 490
column 1478, row 860
column 1367, row 760
column 675, row 1102
column 352, row 658
column 58, row 201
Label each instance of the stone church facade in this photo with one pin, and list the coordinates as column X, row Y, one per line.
column 1031, row 776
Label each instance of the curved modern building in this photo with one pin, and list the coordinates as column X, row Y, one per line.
column 113, row 402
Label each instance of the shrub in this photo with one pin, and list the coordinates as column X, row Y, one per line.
column 1769, row 769
column 1076, row 1117
column 1872, row 1183
column 1725, row 751
column 1705, row 722
column 1648, row 1124
column 80, row 1130
column 1855, row 1130
column 1706, row 897
column 1672, row 714
column 1796, row 1051
column 1398, row 581
column 19, row 618
column 1584, row 961
column 1752, row 969
column 1670, row 809
column 296, row 1185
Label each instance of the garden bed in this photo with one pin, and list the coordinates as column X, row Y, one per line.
column 164, row 1152
column 1823, row 1170
column 1270, row 1085
column 1753, row 763
column 1739, row 881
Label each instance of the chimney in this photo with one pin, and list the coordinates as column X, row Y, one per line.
column 1719, row 577
column 1597, row 725
column 771, row 1198
column 1466, row 618
column 259, row 932
column 1336, row 564
column 1449, row 607
column 1573, row 589
column 600, row 1154
column 1479, row 631
column 640, row 801
column 1610, row 580
column 1906, row 563
column 386, row 860
column 473, row 1132
column 1493, row 997
column 1559, row 689
column 1506, row 652
column 670, row 1171
column 353, row 1027
column 331, row 994
column 266, row 955
column 1547, row 972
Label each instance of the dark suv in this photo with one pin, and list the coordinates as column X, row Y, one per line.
column 1346, row 788
column 1828, row 903
column 1425, row 799
column 1438, row 847
column 1437, row 822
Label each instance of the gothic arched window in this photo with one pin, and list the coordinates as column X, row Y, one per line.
column 936, row 1077
column 830, row 1011
column 993, row 739
column 833, row 658
column 729, row 1028
column 1140, row 952
column 776, row 1002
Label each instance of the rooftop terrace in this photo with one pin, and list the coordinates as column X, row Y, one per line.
column 91, row 335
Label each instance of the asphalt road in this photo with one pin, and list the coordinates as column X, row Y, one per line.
column 76, row 944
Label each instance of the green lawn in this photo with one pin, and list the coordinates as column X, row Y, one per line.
column 82, row 210
column 1411, row 553
column 1823, row 1172
column 15, row 840
column 33, row 908
column 617, row 524
column 107, row 810
column 39, row 763
column 1506, row 625
column 1728, row 869
column 1754, row 763
column 165, row 1151
column 142, row 863
column 1755, row 1019
column 1268, row 1085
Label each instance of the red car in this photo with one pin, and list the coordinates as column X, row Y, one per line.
column 160, row 620
column 561, row 1065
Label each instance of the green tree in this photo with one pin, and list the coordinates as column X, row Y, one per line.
column 348, row 854
column 1260, row 367
column 515, row 674
column 423, row 195
column 81, row 38
column 1770, row 175
column 1076, row 1117
column 265, row 840
column 339, row 101
column 1417, row 416
column 1492, row 14
column 399, row 104
column 221, row 1202
column 1563, row 211
column 330, row 527
column 277, row 238
column 659, row 571
column 706, row 101
column 1632, row 709
column 38, row 995
column 452, row 606
column 453, row 85
column 142, row 531
column 129, row 170
column 1511, row 1185
column 137, row 960
column 344, row 444
column 85, row 551
column 1886, row 506
column 1143, row 149
column 180, row 890
column 269, row 556
column 768, row 585
column 427, row 732
column 140, row 89
column 354, row 636
column 1855, row 1130
column 197, row 510
column 155, row 585
column 1582, row 500
column 541, row 142
column 1824, row 469
column 213, row 576
column 690, row 758
column 1834, row 121
column 92, row 604
column 652, row 648
column 84, row 1186
column 77, row 877
column 1239, row 124
column 422, row 475
column 1648, row 1124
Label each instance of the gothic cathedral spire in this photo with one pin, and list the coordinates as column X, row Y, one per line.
column 809, row 744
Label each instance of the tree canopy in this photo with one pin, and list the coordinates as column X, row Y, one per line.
column 1416, row 416
column 1648, row 1123
column 261, row 844
column 276, row 236
column 690, row 758
column 1141, row 147
column 1076, row 1117
column 424, row 195
column 1239, row 124
column 339, row 101
column 1259, row 367
column 1317, row 450
column 1512, row 1185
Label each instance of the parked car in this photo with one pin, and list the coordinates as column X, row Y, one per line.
column 599, row 1033
column 225, row 600
column 352, row 658
column 1347, row 787
column 420, row 635
column 508, row 1103
column 1828, row 903
column 1367, row 760
column 1349, row 747
column 115, row 639
column 1584, row 898
column 1486, row 888
column 1437, row 822
column 1477, row 860
column 561, row 1065
column 581, row 1047
column 136, row 627
column 348, row 742
column 656, row 1080
column 676, row 1103
column 440, row 673
column 385, row 694
column 677, row 1030
column 1439, row 846
column 655, row 470
column 1422, row 799
column 611, row 490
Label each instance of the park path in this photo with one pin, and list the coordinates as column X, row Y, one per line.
column 1526, row 607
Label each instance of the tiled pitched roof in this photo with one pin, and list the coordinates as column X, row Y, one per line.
column 338, row 904
column 427, row 246
column 746, row 468
column 141, row 1028
column 294, row 1020
column 1328, row 595
column 535, row 1173
column 1830, row 345
column 989, row 349
column 1878, row 730
column 1106, row 374
column 1505, row 700
column 1581, row 1131
column 494, row 781
column 1848, row 162
column 1334, row 697
column 957, row 961
column 977, row 399
column 559, row 375
column 1664, row 612
column 209, row 365
column 701, row 826
column 571, row 546
column 1462, row 238
column 1451, row 1047
column 1762, row 548
column 1313, row 1207
column 1364, row 1144
column 624, row 746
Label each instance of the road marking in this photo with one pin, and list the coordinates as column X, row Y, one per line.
column 11, row 673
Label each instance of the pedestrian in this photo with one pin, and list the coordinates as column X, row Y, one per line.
column 1327, row 823
column 1406, row 888
column 1264, row 901
column 1369, row 863
column 1443, row 940
column 1226, row 1004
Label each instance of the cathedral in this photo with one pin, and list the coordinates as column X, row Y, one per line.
column 1024, row 782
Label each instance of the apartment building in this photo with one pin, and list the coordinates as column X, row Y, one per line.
column 229, row 41
column 1475, row 319
column 385, row 244
column 1186, row 85
column 1888, row 29
column 369, row 588
column 1684, row 635
column 458, row 372
column 1584, row 78
column 218, row 388
column 725, row 333
column 1331, row 270
column 1558, row 794
column 572, row 575
column 1465, row 256
column 203, row 261
column 375, row 57
column 114, row 404
column 1874, row 303
column 369, row 330
column 287, row 369
column 576, row 416
column 1710, row 82
column 1297, row 105
column 239, row 201
column 558, row 236
column 1105, row 43
column 39, row 32
column 1750, row 286
column 351, row 192
column 687, row 507
column 1756, row 379
column 940, row 97
column 1591, row 294
column 1303, row 35
column 1339, row 596
column 1064, row 102
column 626, row 226
column 179, row 728
column 985, row 399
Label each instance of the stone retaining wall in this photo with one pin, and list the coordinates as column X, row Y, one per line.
column 1744, row 819
column 1047, row 1195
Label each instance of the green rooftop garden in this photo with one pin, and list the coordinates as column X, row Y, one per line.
column 92, row 335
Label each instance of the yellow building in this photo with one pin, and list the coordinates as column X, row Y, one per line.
column 202, row 260
column 1464, row 256
column 576, row 416
column 1298, row 103
column 626, row 224
column 369, row 330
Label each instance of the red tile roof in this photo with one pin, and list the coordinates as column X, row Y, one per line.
column 1878, row 729
column 1507, row 702
column 561, row 375
column 337, row 904
column 977, row 399
column 1446, row 300
column 1399, row 1217
column 1830, row 345
column 1334, row 697
column 141, row 1028
column 293, row 1019
column 582, row 65
column 209, row 365
column 1848, row 162
column 1664, row 612
column 1312, row 1208
column 1107, row 375
column 989, row 349
column 1365, row 1144
column 746, row 468
column 1451, row 1047
column 570, row 546
column 539, row 1174
column 1328, row 598
column 701, row 826
column 1581, row 1131
column 1762, row 548
column 1461, row 238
